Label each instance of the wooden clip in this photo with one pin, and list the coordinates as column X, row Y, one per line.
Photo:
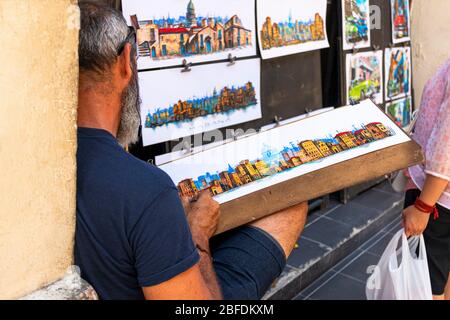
column 186, row 66
column 376, row 47
column 277, row 121
column 355, row 50
column 231, row 60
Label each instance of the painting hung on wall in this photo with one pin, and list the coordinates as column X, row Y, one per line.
column 291, row 26
column 256, row 162
column 398, row 72
column 179, row 104
column 365, row 77
column 401, row 21
column 355, row 24
column 401, row 111
column 191, row 30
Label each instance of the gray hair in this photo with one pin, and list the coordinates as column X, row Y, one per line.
column 102, row 31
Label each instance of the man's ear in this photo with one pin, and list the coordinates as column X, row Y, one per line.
column 124, row 65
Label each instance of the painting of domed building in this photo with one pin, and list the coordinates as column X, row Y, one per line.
column 195, row 30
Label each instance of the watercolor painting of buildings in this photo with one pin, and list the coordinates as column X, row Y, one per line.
column 401, row 21
column 398, row 72
column 195, row 30
column 401, row 111
column 207, row 98
column 256, row 162
column 365, row 77
column 355, row 24
column 291, row 26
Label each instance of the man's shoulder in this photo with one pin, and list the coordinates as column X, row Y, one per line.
column 145, row 174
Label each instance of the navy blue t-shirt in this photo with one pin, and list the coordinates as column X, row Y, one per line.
column 131, row 228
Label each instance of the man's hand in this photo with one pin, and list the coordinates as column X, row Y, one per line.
column 414, row 221
column 203, row 218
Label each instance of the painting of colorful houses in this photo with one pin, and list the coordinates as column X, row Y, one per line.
column 290, row 27
column 195, row 30
column 272, row 162
column 398, row 72
column 401, row 21
column 365, row 77
column 400, row 111
column 227, row 100
column 237, row 168
column 181, row 104
column 356, row 24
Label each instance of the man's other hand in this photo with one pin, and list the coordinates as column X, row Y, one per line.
column 203, row 217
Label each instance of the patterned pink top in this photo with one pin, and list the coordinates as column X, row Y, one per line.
column 433, row 132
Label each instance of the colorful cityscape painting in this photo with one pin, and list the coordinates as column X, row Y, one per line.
column 291, row 26
column 223, row 101
column 398, row 72
column 195, row 30
column 365, row 77
column 401, row 21
column 258, row 161
column 272, row 162
column 356, row 24
column 179, row 104
column 401, row 111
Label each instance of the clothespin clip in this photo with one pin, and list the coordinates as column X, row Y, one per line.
column 376, row 47
column 355, row 50
column 308, row 112
column 151, row 161
column 186, row 66
column 353, row 102
column 231, row 60
column 187, row 148
column 391, row 45
column 277, row 121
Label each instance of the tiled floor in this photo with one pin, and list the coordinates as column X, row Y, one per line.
column 333, row 234
column 346, row 280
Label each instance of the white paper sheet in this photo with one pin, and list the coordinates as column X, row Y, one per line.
column 164, row 89
column 269, row 144
column 294, row 20
column 401, row 21
column 401, row 111
column 364, row 77
column 398, row 72
column 356, row 24
column 170, row 17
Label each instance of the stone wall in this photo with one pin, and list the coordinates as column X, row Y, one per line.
column 430, row 40
column 38, row 90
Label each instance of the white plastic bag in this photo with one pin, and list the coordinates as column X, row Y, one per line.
column 400, row 274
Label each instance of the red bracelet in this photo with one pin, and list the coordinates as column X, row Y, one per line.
column 423, row 207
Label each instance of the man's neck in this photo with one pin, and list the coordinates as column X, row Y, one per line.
column 99, row 109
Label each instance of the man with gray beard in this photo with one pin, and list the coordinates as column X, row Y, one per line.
column 135, row 238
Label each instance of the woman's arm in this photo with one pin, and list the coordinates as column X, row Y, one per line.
column 415, row 221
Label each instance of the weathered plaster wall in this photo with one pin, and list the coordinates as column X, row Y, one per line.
column 38, row 98
column 430, row 38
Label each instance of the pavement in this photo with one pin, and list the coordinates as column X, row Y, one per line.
column 347, row 279
column 335, row 247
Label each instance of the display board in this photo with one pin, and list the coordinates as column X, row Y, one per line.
column 239, row 168
column 289, row 86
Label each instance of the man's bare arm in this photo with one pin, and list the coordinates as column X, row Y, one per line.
column 203, row 217
column 189, row 285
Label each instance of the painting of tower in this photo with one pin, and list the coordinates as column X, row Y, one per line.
column 191, row 17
